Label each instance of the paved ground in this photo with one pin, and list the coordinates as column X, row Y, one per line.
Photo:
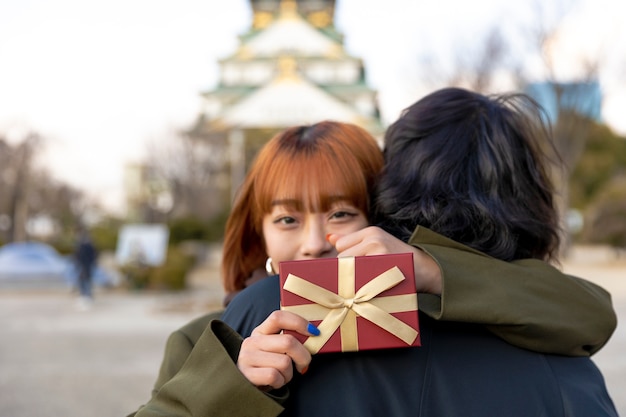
column 58, row 361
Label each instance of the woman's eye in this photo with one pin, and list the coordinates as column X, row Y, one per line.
column 285, row 220
column 342, row 215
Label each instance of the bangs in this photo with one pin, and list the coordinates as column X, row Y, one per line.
column 311, row 181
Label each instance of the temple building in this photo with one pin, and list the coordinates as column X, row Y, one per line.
column 290, row 68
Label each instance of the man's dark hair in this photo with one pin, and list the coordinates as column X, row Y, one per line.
column 473, row 168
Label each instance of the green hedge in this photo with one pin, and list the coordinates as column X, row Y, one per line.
column 171, row 276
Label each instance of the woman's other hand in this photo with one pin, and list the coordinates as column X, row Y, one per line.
column 268, row 356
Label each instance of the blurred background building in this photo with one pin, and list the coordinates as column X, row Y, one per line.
column 290, row 68
column 584, row 97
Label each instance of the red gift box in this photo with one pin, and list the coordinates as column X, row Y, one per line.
column 358, row 303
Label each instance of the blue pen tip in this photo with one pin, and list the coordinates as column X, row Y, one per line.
column 313, row 330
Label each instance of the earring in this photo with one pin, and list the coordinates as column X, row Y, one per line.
column 269, row 267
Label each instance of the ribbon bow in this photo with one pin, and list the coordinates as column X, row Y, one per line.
column 341, row 310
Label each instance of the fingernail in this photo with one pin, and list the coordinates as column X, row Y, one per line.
column 312, row 329
column 303, row 371
column 328, row 237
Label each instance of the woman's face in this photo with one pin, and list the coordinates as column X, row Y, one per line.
column 294, row 235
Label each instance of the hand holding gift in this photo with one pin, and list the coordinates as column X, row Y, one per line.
column 267, row 357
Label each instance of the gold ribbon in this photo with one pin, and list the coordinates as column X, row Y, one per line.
column 341, row 310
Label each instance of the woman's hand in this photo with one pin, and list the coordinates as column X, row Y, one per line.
column 375, row 241
column 268, row 356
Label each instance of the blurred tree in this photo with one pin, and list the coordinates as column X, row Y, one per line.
column 605, row 219
column 598, row 188
column 484, row 66
column 191, row 173
column 32, row 202
column 602, row 160
column 17, row 164
column 6, row 181
column 186, row 178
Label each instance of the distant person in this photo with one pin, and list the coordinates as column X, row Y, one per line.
column 86, row 256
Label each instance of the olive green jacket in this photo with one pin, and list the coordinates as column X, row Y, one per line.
column 527, row 303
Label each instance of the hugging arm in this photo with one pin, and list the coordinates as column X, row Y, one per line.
column 528, row 303
column 209, row 383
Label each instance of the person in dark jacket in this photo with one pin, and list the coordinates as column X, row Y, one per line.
column 86, row 256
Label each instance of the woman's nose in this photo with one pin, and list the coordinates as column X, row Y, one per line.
column 315, row 244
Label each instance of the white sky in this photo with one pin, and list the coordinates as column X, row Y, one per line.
column 98, row 79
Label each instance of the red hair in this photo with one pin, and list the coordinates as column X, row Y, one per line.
column 311, row 165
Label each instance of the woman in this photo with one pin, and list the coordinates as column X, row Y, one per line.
column 325, row 172
column 293, row 191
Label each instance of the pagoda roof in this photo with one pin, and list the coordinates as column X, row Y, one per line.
column 290, row 34
column 289, row 100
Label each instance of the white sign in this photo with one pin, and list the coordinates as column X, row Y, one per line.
column 142, row 243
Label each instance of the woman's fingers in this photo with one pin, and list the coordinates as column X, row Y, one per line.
column 284, row 320
column 262, row 362
column 268, row 356
column 369, row 241
column 280, row 320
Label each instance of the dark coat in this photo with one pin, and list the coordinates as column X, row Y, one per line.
column 460, row 370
